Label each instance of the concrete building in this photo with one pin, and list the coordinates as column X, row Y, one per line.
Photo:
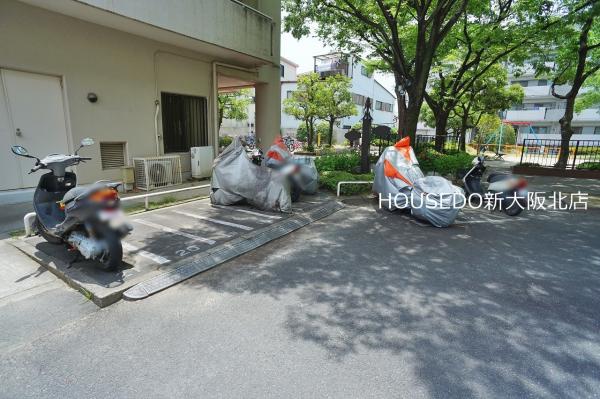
column 153, row 67
column 538, row 115
column 363, row 85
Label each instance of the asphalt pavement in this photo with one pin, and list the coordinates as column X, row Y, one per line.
column 362, row 304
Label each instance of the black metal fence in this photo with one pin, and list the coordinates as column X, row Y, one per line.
column 583, row 154
column 449, row 143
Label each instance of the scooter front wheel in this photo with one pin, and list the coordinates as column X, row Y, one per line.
column 45, row 234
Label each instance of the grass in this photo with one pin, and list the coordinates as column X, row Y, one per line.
column 17, row 233
column 330, row 178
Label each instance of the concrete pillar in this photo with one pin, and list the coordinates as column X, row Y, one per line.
column 268, row 105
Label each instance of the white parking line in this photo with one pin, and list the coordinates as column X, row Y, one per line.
column 236, row 225
column 149, row 255
column 230, row 208
column 177, row 232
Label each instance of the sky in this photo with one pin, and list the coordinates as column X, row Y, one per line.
column 302, row 51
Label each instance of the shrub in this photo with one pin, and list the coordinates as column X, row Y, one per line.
column 329, row 179
column 301, row 133
column 346, row 162
column 443, row 164
column 224, row 141
column 589, row 166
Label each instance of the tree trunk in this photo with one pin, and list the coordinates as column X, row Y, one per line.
column 330, row 133
column 441, row 122
column 566, row 132
column 462, row 143
column 308, row 134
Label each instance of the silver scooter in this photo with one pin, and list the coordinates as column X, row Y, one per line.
column 87, row 219
column 508, row 192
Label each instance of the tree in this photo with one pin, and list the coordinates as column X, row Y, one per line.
column 404, row 35
column 472, row 52
column 306, row 103
column 576, row 59
column 487, row 95
column 233, row 105
column 337, row 101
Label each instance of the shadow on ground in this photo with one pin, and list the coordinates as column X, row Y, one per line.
column 503, row 310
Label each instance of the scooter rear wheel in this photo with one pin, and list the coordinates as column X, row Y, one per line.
column 513, row 210
column 114, row 256
column 45, row 234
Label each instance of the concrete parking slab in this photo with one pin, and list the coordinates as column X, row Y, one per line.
column 161, row 241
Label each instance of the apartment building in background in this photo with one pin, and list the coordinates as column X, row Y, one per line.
column 140, row 77
column 363, row 85
column 538, row 115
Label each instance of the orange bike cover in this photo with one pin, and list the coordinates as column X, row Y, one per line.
column 390, row 171
column 403, row 146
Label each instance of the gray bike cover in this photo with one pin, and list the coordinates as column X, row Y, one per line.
column 436, row 200
column 235, row 179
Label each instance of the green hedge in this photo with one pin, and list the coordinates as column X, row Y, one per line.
column 589, row 166
column 329, row 179
column 444, row 164
column 224, row 141
column 346, row 162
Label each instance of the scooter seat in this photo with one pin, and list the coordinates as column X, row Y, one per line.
column 494, row 177
column 73, row 193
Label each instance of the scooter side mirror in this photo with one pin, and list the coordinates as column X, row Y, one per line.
column 20, row 151
column 86, row 142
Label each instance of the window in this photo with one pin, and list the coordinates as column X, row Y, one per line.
column 540, row 129
column 112, row 155
column 381, row 106
column 289, row 94
column 364, row 71
column 597, row 130
column 184, row 122
column 350, row 127
column 542, row 82
column 358, row 99
column 523, row 83
column 282, row 70
column 577, row 129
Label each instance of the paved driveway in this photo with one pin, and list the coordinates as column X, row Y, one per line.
column 361, row 304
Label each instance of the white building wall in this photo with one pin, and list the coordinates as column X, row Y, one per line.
column 127, row 72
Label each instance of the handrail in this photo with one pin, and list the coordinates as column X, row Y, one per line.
column 254, row 10
column 155, row 194
column 339, row 185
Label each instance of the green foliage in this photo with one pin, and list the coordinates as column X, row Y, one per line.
column 329, row 179
column 224, row 141
column 443, row 164
column 233, row 105
column 346, row 162
column 337, row 102
column 302, row 133
column 488, row 131
column 306, row 103
column 589, row 166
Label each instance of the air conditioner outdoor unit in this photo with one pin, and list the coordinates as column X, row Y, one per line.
column 202, row 161
column 157, row 172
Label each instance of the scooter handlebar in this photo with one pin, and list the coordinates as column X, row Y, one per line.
column 36, row 168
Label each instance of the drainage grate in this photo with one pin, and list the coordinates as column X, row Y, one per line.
column 229, row 250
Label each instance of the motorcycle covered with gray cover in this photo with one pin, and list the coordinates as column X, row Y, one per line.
column 236, row 179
